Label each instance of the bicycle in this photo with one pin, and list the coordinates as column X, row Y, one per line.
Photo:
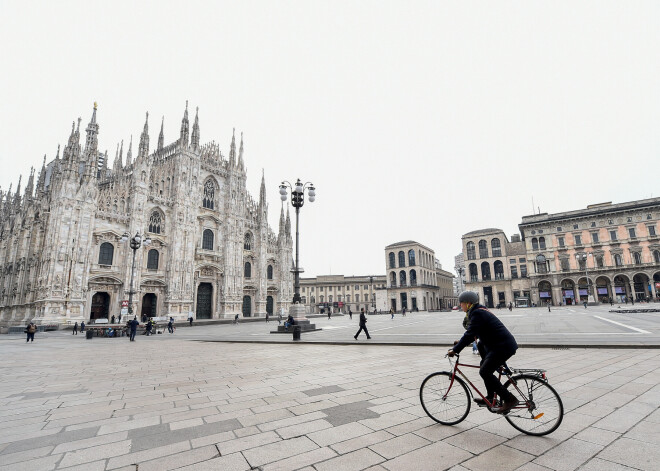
column 446, row 399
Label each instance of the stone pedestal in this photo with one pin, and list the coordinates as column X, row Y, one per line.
column 298, row 313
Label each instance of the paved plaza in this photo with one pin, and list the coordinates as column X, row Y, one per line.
column 168, row 402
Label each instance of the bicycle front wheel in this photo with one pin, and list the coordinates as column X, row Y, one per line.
column 540, row 410
column 445, row 402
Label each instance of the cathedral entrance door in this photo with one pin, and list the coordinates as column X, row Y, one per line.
column 100, row 306
column 205, row 301
column 269, row 305
column 149, row 302
column 247, row 306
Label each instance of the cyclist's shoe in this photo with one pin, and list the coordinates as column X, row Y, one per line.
column 506, row 406
column 480, row 402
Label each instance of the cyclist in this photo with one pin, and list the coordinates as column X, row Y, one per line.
column 495, row 341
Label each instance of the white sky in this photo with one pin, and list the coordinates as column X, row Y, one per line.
column 415, row 120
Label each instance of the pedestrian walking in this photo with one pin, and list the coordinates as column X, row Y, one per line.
column 329, row 313
column 170, row 326
column 30, row 330
column 403, row 311
column 548, row 303
column 585, row 304
column 190, row 318
column 510, row 306
column 266, row 318
column 112, row 319
column 149, row 327
column 279, row 318
column 392, row 312
column 134, row 325
column 119, row 319
column 363, row 325
column 350, row 314
column 611, row 302
column 236, row 319
column 75, row 329
column 82, row 327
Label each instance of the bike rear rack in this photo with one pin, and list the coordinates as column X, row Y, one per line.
column 529, row 371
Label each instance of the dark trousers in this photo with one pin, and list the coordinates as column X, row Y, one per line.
column 169, row 327
column 190, row 321
column 363, row 327
column 489, row 363
column 30, row 336
column 132, row 335
column 75, row 332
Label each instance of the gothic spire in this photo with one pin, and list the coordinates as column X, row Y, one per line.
column 29, row 189
column 240, row 153
column 185, row 126
column 129, row 154
column 287, row 224
column 262, row 190
column 282, row 228
column 91, row 144
column 161, row 136
column 41, row 181
column 17, row 195
column 232, row 149
column 143, row 150
column 194, row 139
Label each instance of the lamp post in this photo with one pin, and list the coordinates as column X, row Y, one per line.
column 136, row 242
column 460, row 271
column 371, row 293
column 297, row 201
column 584, row 257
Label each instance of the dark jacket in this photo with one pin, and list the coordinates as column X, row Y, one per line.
column 134, row 325
column 490, row 331
column 363, row 319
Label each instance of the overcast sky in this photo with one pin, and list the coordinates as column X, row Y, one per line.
column 415, row 120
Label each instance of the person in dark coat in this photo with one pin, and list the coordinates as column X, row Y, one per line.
column 82, row 327
column 134, row 325
column 363, row 325
column 497, row 342
column 75, row 329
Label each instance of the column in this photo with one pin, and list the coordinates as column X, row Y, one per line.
column 632, row 290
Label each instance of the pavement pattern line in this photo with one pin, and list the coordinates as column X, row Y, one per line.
column 641, row 331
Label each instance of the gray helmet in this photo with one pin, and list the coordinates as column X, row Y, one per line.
column 469, row 297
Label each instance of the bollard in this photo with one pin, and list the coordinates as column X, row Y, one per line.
column 296, row 332
column 89, row 334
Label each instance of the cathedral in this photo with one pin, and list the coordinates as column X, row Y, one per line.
column 68, row 248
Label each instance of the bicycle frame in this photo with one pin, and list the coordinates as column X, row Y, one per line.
column 501, row 372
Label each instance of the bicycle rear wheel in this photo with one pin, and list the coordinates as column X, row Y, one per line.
column 444, row 404
column 540, row 411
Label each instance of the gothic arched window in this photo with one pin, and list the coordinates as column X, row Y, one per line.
column 413, row 278
column 207, row 239
column 471, row 252
column 542, row 243
column 155, row 222
column 247, row 243
column 106, row 252
column 392, row 260
column 209, row 193
column 247, row 272
column 152, row 259
column 474, row 274
column 269, row 272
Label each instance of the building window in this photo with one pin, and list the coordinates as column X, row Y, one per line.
column 514, row 272
column 483, row 249
column 496, row 248
column 357, row 298
column 393, row 279
column 578, row 239
column 631, row 232
column 474, row 275
column 541, row 264
column 402, row 259
column 485, row 271
column 247, row 272
column 209, row 193
column 617, row 260
column 269, row 272
column 542, row 243
column 413, row 278
column 411, row 258
column 247, row 241
column 357, row 286
column 512, row 261
column 651, row 230
column 498, row 267
column 348, row 298
column 366, row 286
column 558, row 228
column 207, row 240
column 613, row 235
column 152, row 259
column 523, row 271
column 637, row 258
column 402, row 278
column 564, row 264
column 155, row 222
column 560, row 241
column 594, row 237
column 106, row 252
column 535, row 244
column 471, row 253
column 392, row 260
column 656, row 256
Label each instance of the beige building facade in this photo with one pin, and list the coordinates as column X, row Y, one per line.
column 339, row 293
column 496, row 268
column 594, row 254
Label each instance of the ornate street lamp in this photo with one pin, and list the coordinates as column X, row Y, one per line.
column 583, row 257
column 136, row 242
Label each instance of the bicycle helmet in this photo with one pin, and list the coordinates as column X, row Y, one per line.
column 469, row 297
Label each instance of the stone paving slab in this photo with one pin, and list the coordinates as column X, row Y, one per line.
column 231, row 406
